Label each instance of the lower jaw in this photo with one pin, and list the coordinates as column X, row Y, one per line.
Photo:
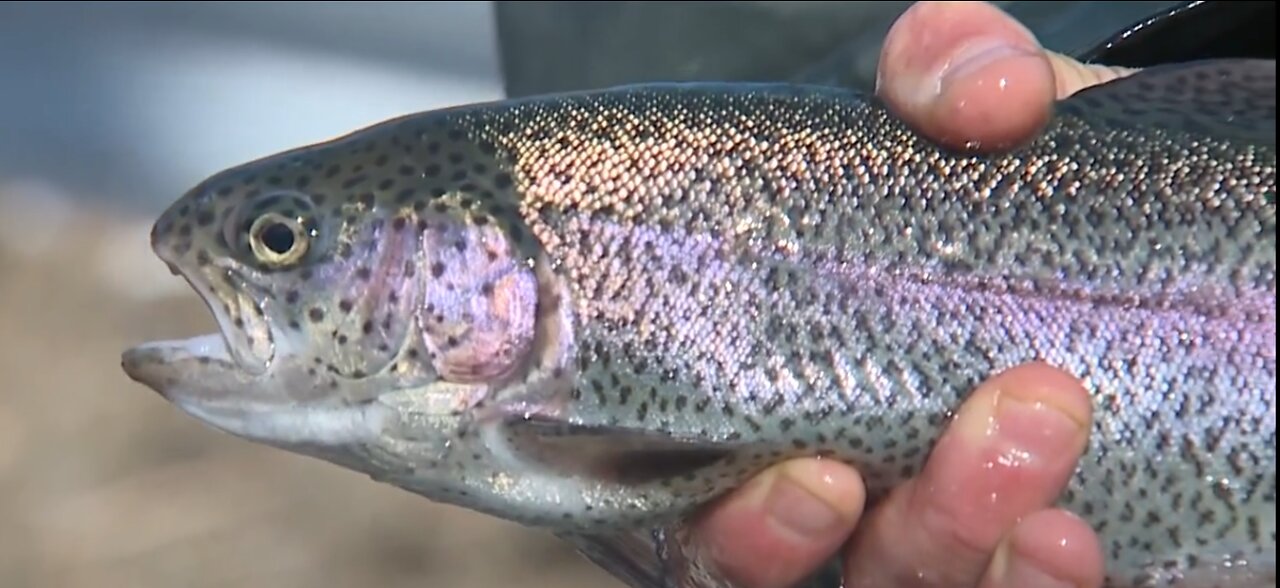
column 291, row 425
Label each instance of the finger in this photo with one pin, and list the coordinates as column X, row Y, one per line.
column 787, row 521
column 1010, row 451
column 1049, row 549
column 966, row 74
column 973, row 78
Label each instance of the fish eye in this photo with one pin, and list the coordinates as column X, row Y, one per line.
column 277, row 240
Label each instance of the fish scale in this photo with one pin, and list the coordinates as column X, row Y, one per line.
column 611, row 307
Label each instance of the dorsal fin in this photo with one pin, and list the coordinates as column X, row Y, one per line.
column 1232, row 99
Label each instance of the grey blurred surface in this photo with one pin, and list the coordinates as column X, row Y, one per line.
column 132, row 102
column 559, row 46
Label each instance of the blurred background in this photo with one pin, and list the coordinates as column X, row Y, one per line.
column 110, row 110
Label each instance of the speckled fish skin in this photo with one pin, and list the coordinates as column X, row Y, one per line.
column 593, row 313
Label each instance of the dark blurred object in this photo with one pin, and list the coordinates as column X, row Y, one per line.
column 1193, row 30
column 561, row 46
column 565, row 46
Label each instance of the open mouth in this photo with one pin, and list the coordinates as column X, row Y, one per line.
column 166, row 366
column 241, row 349
column 199, row 376
column 211, row 346
column 239, row 310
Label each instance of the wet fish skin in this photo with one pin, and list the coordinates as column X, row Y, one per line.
column 595, row 312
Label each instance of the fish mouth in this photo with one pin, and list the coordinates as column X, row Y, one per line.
column 200, row 377
column 157, row 364
column 203, row 367
column 241, row 311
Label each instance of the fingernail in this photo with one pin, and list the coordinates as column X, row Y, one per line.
column 976, row 54
column 1072, row 76
column 1040, row 422
column 811, row 498
column 1031, row 422
column 1013, row 571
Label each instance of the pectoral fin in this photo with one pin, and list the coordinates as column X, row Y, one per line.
column 612, row 453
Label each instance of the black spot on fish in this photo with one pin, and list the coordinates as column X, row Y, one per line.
column 316, row 315
column 354, row 181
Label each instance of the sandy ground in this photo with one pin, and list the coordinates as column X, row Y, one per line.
column 103, row 484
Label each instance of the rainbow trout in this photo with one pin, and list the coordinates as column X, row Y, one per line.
column 592, row 313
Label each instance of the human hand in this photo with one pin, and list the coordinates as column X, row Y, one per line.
column 1017, row 438
column 970, row 77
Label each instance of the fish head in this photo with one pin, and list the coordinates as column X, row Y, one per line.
column 311, row 278
column 383, row 263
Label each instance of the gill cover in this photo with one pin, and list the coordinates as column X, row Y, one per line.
column 480, row 297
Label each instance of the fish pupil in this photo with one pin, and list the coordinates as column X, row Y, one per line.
column 278, row 237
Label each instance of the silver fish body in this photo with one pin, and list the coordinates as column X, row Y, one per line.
column 595, row 312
